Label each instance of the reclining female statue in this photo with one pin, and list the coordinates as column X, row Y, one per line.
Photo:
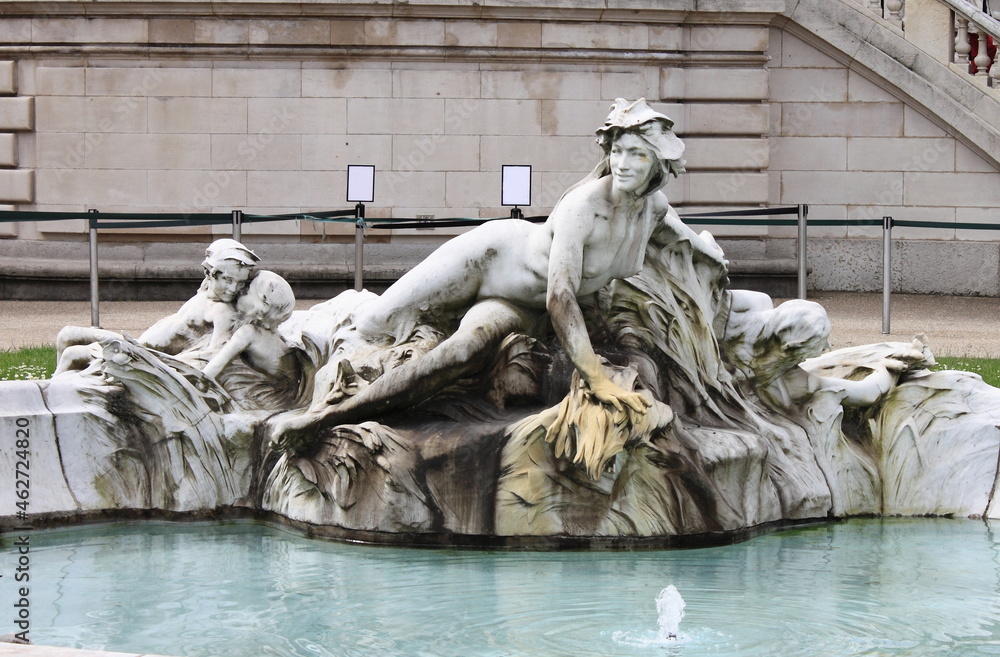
column 503, row 276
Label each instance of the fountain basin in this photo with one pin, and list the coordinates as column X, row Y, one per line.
column 893, row 586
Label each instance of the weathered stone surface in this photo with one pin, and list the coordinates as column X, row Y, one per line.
column 33, row 443
column 944, row 417
column 8, row 150
column 17, row 185
column 17, row 113
column 714, row 84
column 8, row 79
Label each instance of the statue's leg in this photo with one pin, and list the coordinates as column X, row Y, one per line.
column 469, row 349
column 80, row 335
column 74, row 357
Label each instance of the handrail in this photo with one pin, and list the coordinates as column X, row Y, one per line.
column 707, row 218
column 988, row 20
column 972, row 26
column 977, row 16
column 97, row 220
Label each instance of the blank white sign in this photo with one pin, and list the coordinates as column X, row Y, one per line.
column 516, row 184
column 360, row 183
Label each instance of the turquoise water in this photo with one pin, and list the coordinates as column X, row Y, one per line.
column 866, row 587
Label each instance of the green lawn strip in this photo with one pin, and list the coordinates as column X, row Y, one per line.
column 39, row 362
column 988, row 368
column 28, row 363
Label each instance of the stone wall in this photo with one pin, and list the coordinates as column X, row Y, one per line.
column 853, row 149
column 260, row 106
column 264, row 115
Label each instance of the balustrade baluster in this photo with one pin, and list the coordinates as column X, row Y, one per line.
column 982, row 60
column 895, row 8
column 876, row 6
column 962, row 45
column 994, row 72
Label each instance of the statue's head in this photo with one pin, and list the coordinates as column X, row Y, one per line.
column 793, row 332
column 269, row 300
column 228, row 266
column 801, row 327
column 636, row 124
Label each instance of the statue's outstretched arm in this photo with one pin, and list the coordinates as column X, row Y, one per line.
column 167, row 334
column 885, row 364
column 869, row 390
column 70, row 336
column 564, row 279
column 671, row 229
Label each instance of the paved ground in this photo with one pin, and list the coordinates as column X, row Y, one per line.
column 954, row 326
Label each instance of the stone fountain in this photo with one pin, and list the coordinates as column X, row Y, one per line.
column 591, row 380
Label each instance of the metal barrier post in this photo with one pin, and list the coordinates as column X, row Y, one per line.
column 95, row 311
column 886, row 272
column 359, row 249
column 237, row 225
column 803, row 214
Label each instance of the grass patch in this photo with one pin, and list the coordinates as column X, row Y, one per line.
column 27, row 364
column 988, row 368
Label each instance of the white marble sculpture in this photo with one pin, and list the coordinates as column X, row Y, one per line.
column 589, row 378
column 211, row 313
column 508, row 276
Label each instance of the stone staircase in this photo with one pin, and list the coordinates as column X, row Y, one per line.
column 938, row 53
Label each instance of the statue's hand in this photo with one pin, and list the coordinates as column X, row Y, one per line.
column 894, row 365
column 290, row 432
column 908, row 359
column 607, row 392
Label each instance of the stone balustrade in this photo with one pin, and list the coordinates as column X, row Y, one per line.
column 974, row 25
column 976, row 34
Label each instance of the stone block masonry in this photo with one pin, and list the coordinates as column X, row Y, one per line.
column 169, row 119
column 851, row 146
column 259, row 106
column 16, row 115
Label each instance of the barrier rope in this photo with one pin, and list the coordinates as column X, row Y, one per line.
column 173, row 220
column 747, row 217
